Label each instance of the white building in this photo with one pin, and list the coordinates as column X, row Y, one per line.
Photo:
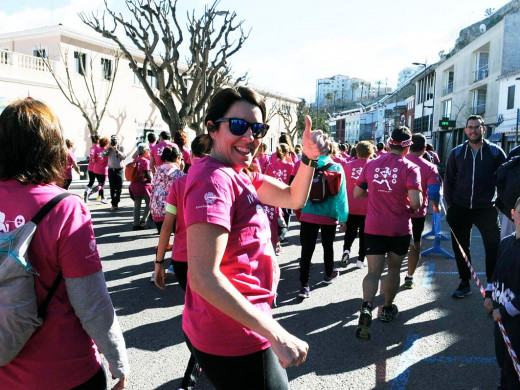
column 130, row 113
column 508, row 111
column 405, row 74
column 342, row 88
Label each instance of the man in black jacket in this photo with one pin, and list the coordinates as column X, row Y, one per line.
column 469, row 190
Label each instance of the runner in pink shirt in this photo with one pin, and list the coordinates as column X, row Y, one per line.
column 90, row 168
column 282, row 167
column 232, row 270
column 142, row 189
column 393, row 187
column 101, row 167
column 262, row 157
column 430, row 187
column 71, row 163
column 357, row 207
column 63, row 353
column 157, row 149
column 380, row 149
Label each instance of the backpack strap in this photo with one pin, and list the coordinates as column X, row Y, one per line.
column 42, row 309
column 48, row 207
column 325, row 167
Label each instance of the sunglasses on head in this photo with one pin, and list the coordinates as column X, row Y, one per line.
column 240, row 126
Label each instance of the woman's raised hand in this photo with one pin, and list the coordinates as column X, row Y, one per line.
column 314, row 142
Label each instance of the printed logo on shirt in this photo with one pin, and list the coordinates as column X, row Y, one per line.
column 4, row 225
column 210, row 198
column 251, row 198
column 92, row 245
column 269, row 211
column 354, row 174
column 385, row 176
column 501, row 294
column 280, row 175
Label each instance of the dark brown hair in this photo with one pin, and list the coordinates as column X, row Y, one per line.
column 400, row 134
column 201, row 145
column 170, row 154
column 180, row 139
column 32, row 147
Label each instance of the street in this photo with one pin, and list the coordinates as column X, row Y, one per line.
column 437, row 342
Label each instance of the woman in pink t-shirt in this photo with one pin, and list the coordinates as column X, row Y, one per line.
column 101, row 168
column 71, row 163
column 261, row 157
column 90, row 169
column 142, row 189
column 227, row 318
column 63, row 352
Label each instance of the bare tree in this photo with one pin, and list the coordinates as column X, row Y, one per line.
column 294, row 117
column 94, row 107
column 180, row 91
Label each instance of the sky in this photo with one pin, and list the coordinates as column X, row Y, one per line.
column 292, row 43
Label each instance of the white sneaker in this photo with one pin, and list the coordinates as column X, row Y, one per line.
column 360, row 264
column 153, row 278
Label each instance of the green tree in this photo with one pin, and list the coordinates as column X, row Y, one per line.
column 353, row 87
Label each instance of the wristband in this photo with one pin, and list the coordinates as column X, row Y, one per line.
column 307, row 161
column 159, row 262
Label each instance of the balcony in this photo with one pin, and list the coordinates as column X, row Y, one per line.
column 480, row 73
column 24, row 61
column 479, row 109
column 448, row 89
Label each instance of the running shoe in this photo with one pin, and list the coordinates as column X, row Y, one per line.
column 389, row 313
column 113, row 208
column 99, row 197
column 86, row 195
column 463, row 290
column 363, row 328
column 344, row 260
column 408, row 282
column 360, row 264
column 279, row 251
column 152, row 280
column 305, row 292
column 333, row 275
column 104, row 201
column 285, row 241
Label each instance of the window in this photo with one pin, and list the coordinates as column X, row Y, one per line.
column 511, row 97
column 40, row 52
column 151, row 79
column 448, row 86
column 446, row 109
column 80, row 61
column 479, row 101
column 106, row 69
column 481, row 66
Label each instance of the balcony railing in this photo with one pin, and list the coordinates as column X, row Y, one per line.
column 480, row 73
column 24, row 61
column 479, row 109
column 448, row 89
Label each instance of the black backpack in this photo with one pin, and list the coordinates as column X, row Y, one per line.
column 508, row 185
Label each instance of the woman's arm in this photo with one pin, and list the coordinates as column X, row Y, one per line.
column 207, row 280
column 275, row 193
column 164, row 239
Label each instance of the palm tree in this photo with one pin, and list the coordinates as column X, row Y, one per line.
column 334, row 93
column 353, row 87
column 362, row 86
column 328, row 96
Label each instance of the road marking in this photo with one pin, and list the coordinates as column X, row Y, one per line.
column 428, row 274
column 407, row 359
column 454, row 273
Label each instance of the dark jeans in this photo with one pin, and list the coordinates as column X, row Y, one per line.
column 308, row 238
column 115, row 179
column 257, row 371
column 508, row 376
column 355, row 224
column 97, row 382
column 192, row 372
column 461, row 219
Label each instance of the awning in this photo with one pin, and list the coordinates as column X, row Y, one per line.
column 495, row 137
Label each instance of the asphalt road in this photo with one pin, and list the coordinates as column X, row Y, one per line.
column 437, row 342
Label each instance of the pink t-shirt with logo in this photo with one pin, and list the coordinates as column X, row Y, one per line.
column 176, row 198
column 60, row 355
column 429, row 176
column 352, row 172
column 158, row 148
column 280, row 169
column 273, row 213
column 389, row 178
column 100, row 162
column 142, row 187
column 219, row 195
column 71, row 158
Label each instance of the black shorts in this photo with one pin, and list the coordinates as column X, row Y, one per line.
column 380, row 245
column 417, row 228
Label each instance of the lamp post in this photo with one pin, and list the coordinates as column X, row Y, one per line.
column 424, row 92
column 318, row 99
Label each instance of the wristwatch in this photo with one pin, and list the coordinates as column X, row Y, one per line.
column 307, row 161
column 159, row 262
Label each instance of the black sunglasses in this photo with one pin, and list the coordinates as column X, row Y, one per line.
column 240, row 126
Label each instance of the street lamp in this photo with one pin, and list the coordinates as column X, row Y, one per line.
column 424, row 92
column 318, row 98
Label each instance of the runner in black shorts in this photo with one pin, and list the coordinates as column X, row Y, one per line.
column 392, row 185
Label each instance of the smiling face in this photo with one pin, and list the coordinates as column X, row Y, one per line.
column 232, row 150
column 474, row 130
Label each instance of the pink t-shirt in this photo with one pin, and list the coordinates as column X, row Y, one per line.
column 352, row 172
column 71, row 158
column 273, row 213
column 263, row 161
column 339, row 160
column 60, row 355
column 92, row 158
column 296, row 167
column 219, row 195
column 380, row 153
column 158, row 148
column 280, row 169
column 142, row 187
column 186, row 156
column 389, row 178
column 175, row 198
column 100, row 162
column 429, row 175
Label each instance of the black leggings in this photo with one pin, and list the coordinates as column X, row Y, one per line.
column 308, row 237
column 97, row 382
column 101, row 182
column 91, row 179
column 257, row 371
column 355, row 224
